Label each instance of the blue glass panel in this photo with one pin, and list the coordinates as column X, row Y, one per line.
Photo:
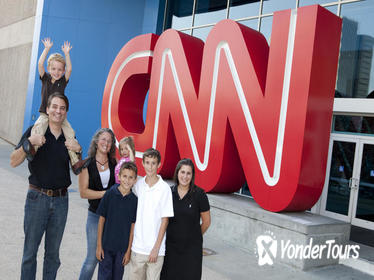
column 333, row 9
column 188, row 32
column 202, row 33
column 272, row 6
column 243, row 8
column 265, row 29
column 179, row 14
column 313, row 2
column 252, row 23
column 209, row 11
column 356, row 67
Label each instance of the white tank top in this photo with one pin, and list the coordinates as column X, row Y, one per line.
column 105, row 176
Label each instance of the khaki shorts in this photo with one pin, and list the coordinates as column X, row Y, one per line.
column 141, row 269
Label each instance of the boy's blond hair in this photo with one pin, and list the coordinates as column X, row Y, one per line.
column 56, row 57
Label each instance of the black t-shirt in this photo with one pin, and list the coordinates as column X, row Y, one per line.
column 50, row 167
column 184, row 228
column 48, row 88
column 119, row 212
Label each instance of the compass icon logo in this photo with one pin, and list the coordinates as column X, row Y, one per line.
column 266, row 248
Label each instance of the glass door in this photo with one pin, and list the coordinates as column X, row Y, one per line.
column 348, row 194
column 337, row 196
column 363, row 187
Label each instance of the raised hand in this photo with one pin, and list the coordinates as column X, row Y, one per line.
column 66, row 47
column 47, row 43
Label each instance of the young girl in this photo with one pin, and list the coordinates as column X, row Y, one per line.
column 127, row 153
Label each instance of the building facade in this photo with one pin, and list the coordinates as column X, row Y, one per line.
column 348, row 192
column 99, row 29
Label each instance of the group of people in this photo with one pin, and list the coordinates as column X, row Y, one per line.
column 143, row 222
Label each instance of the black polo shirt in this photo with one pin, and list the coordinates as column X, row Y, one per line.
column 119, row 212
column 50, row 167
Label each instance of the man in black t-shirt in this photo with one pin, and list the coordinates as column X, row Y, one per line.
column 46, row 205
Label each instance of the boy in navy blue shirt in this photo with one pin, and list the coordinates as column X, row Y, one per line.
column 115, row 232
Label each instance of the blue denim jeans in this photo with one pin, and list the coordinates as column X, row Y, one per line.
column 90, row 262
column 111, row 267
column 43, row 215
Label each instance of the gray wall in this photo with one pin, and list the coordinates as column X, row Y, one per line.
column 16, row 36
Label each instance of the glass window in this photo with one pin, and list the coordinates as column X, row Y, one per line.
column 272, row 6
column 245, row 190
column 179, row 14
column 353, row 124
column 265, row 29
column 356, row 69
column 207, row 11
column 313, row 2
column 189, row 31
column 244, row 8
column 202, row 33
column 252, row 23
column 333, row 9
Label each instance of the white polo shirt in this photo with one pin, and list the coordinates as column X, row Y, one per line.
column 154, row 203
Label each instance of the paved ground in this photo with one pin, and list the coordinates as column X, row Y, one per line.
column 227, row 263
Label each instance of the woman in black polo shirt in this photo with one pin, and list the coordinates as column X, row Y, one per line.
column 184, row 235
column 95, row 179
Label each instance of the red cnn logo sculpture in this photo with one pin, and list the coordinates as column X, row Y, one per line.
column 243, row 111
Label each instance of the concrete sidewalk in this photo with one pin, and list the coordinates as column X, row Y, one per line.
column 226, row 263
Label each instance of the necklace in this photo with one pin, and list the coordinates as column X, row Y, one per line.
column 102, row 165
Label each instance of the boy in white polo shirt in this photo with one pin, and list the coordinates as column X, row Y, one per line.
column 155, row 206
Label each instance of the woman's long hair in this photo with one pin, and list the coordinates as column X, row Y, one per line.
column 93, row 145
column 188, row 162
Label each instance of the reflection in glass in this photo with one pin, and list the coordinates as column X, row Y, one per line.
column 353, row 124
column 252, row 23
column 179, row 14
column 340, row 175
column 207, row 11
column 244, row 8
column 202, row 33
column 270, row 6
column 365, row 202
column 356, row 69
column 313, row 2
column 265, row 29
